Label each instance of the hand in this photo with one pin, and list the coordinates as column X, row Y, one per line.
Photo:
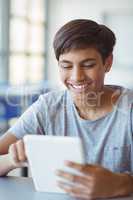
column 17, row 154
column 94, row 182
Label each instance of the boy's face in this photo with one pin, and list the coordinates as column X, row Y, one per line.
column 82, row 71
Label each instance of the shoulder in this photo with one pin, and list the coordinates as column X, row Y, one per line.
column 122, row 98
column 54, row 97
column 125, row 101
column 51, row 99
column 127, row 96
column 124, row 94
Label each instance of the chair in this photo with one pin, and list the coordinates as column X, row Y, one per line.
column 9, row 108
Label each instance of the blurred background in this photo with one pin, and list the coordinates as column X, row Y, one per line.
column 27, row 63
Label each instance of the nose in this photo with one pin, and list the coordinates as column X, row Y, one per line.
column 77, row 74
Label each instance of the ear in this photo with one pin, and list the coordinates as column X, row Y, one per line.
column 108, row 63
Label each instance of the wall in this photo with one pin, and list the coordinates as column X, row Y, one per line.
column 61, row 11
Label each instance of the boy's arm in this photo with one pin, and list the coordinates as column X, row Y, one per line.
column 11, row 153
column 5, row 141
column 96, row 182
column 128, row 183
column 5, row 165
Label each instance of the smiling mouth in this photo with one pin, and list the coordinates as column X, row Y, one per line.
column 79, row 87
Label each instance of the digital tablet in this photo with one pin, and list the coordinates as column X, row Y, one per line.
column 46, row 154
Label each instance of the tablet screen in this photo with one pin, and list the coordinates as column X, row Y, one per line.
column 46, row 154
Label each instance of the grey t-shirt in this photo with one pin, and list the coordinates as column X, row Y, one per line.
column 108, row 141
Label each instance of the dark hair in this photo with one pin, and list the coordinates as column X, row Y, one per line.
column 82, row 34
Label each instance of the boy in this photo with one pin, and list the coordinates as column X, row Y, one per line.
column 100, row 114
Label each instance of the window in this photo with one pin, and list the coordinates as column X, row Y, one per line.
column 26, row 41
column 4, row 36
column 121, row 24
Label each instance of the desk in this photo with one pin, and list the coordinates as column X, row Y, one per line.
column 17, row 188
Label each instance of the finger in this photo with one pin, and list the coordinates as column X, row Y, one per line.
column 83, row 168
column 79, row 167
column 74, row 178
column 13, row 153
column 80, row 192
column 20, row 151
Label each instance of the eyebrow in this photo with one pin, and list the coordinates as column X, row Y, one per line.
column 85, row 60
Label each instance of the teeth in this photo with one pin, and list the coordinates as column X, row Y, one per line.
column 79, row 86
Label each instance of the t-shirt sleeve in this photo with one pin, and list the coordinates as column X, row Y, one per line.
column 32, row 121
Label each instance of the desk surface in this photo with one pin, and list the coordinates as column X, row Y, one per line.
column 14, row 188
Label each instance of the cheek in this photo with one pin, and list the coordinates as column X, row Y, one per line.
column 98, row 75
column 63, row 76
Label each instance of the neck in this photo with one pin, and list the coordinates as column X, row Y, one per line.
column 97, row 103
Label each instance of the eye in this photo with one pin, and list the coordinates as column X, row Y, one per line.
column 89, row 65
column 66, row 66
